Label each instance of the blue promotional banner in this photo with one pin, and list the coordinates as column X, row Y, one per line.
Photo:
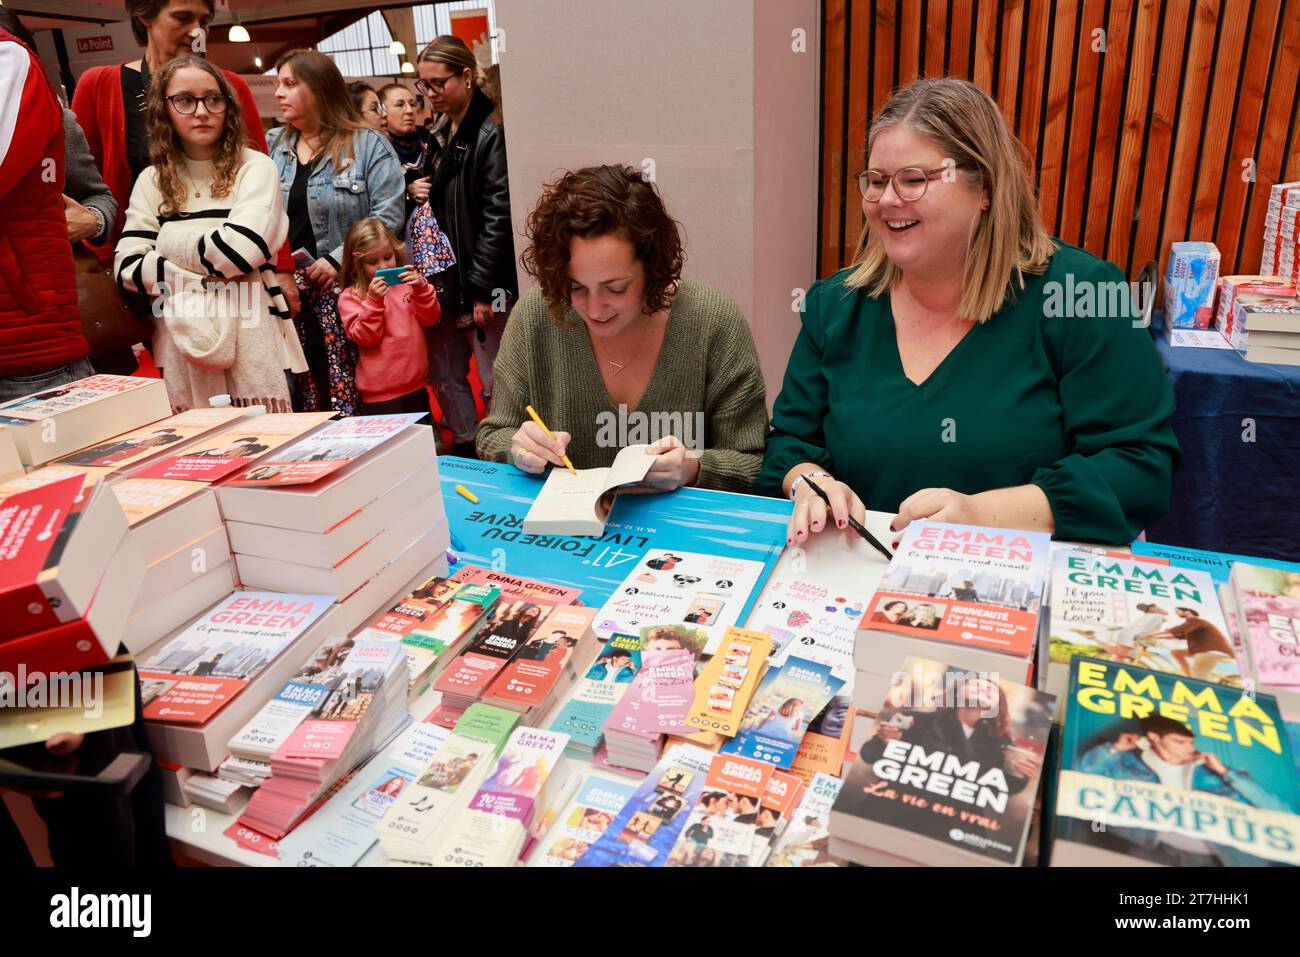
column 490, row 532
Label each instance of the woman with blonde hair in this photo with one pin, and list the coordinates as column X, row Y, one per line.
column 334, row 170
column 202, row 231
column 969, row 367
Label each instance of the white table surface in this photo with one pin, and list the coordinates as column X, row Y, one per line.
column 834, row 558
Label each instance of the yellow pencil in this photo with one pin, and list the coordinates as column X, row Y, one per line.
column 549, row 434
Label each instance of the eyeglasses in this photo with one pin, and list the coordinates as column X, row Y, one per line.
column 434, row 87
column 185, row 104
column 910, row 183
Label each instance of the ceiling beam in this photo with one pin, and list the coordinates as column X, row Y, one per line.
column 69, row 10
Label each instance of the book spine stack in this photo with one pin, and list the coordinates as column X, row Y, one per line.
column 1280, row 196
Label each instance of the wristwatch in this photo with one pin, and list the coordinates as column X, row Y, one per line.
column 100, row 222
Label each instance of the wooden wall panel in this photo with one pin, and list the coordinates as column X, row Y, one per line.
column 1133, row 146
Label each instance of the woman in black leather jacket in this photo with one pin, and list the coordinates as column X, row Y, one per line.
column 470, row 196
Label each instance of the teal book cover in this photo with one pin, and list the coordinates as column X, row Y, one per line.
column 1175, row 771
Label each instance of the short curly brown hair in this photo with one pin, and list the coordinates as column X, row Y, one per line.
column 596, row 201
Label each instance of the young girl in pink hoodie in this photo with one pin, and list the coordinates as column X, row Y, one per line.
column 387, row 322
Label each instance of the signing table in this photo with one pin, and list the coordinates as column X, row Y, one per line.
column 839, row 560
column 1238, row 425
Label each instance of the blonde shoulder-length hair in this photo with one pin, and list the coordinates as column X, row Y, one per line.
column 1008, row 241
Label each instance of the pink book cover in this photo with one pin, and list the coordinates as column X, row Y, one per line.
column 659, row 698
column 1273, row 624
column 532, row 673
column 1269, row 603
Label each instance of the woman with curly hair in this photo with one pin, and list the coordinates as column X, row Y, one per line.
column 201, row 234
column 612, row 334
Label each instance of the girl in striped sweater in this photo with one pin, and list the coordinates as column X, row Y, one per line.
column 201, row 233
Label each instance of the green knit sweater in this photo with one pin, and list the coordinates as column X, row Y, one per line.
column 707, row 388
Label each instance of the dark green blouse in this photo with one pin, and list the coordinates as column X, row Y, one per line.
column 1078, row 406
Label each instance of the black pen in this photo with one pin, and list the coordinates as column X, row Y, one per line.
column 857, row 526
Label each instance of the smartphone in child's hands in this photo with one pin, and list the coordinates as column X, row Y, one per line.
column 392, row 276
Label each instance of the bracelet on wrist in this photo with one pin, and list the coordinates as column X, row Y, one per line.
column 803, row 476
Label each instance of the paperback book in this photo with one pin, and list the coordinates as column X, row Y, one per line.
column 202, row 669
column 325, row 451
column 949, row 772
column 1153, row 616
column 1162, row 769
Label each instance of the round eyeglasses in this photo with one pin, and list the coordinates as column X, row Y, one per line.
column 910, row 183
column 185, row 104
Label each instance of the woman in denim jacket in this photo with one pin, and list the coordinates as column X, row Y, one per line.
column 334, row 170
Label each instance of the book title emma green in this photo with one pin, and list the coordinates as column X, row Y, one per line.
column 1137, row 578
column 972, row 543
column 1116, row 691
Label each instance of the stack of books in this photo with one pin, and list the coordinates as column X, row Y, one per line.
column 175, row 524
column 596, row 695
column 215, row 792
column 1266, row 601
column 1164, row 770
column 1281, row 196
column 546, row 668
column 68, row 576
column 362, row 709
column 949, row 773
column 1241, row 298
column 432, row 623
column 47, row 425
column 530, row 781
column 518, row 621
column 324, row 514
column 306, row 695
column 413, row 827
column 1153, row 615
column 967, row 595
column 656, row 705
column 202, row 684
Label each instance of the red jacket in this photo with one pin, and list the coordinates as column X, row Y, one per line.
column 102, row 115
column 40, row 327
column 393, row 360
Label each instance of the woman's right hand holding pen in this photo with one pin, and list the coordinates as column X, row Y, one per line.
column 531, row 449
column 810, row 512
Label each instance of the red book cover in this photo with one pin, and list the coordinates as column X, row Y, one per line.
column 530, row 675
column 34, row 529
column 965, row 585
column 67, row 647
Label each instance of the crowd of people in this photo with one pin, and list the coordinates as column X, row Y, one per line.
column 375, row 229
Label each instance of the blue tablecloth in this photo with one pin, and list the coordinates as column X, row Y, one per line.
column 1238, row 423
